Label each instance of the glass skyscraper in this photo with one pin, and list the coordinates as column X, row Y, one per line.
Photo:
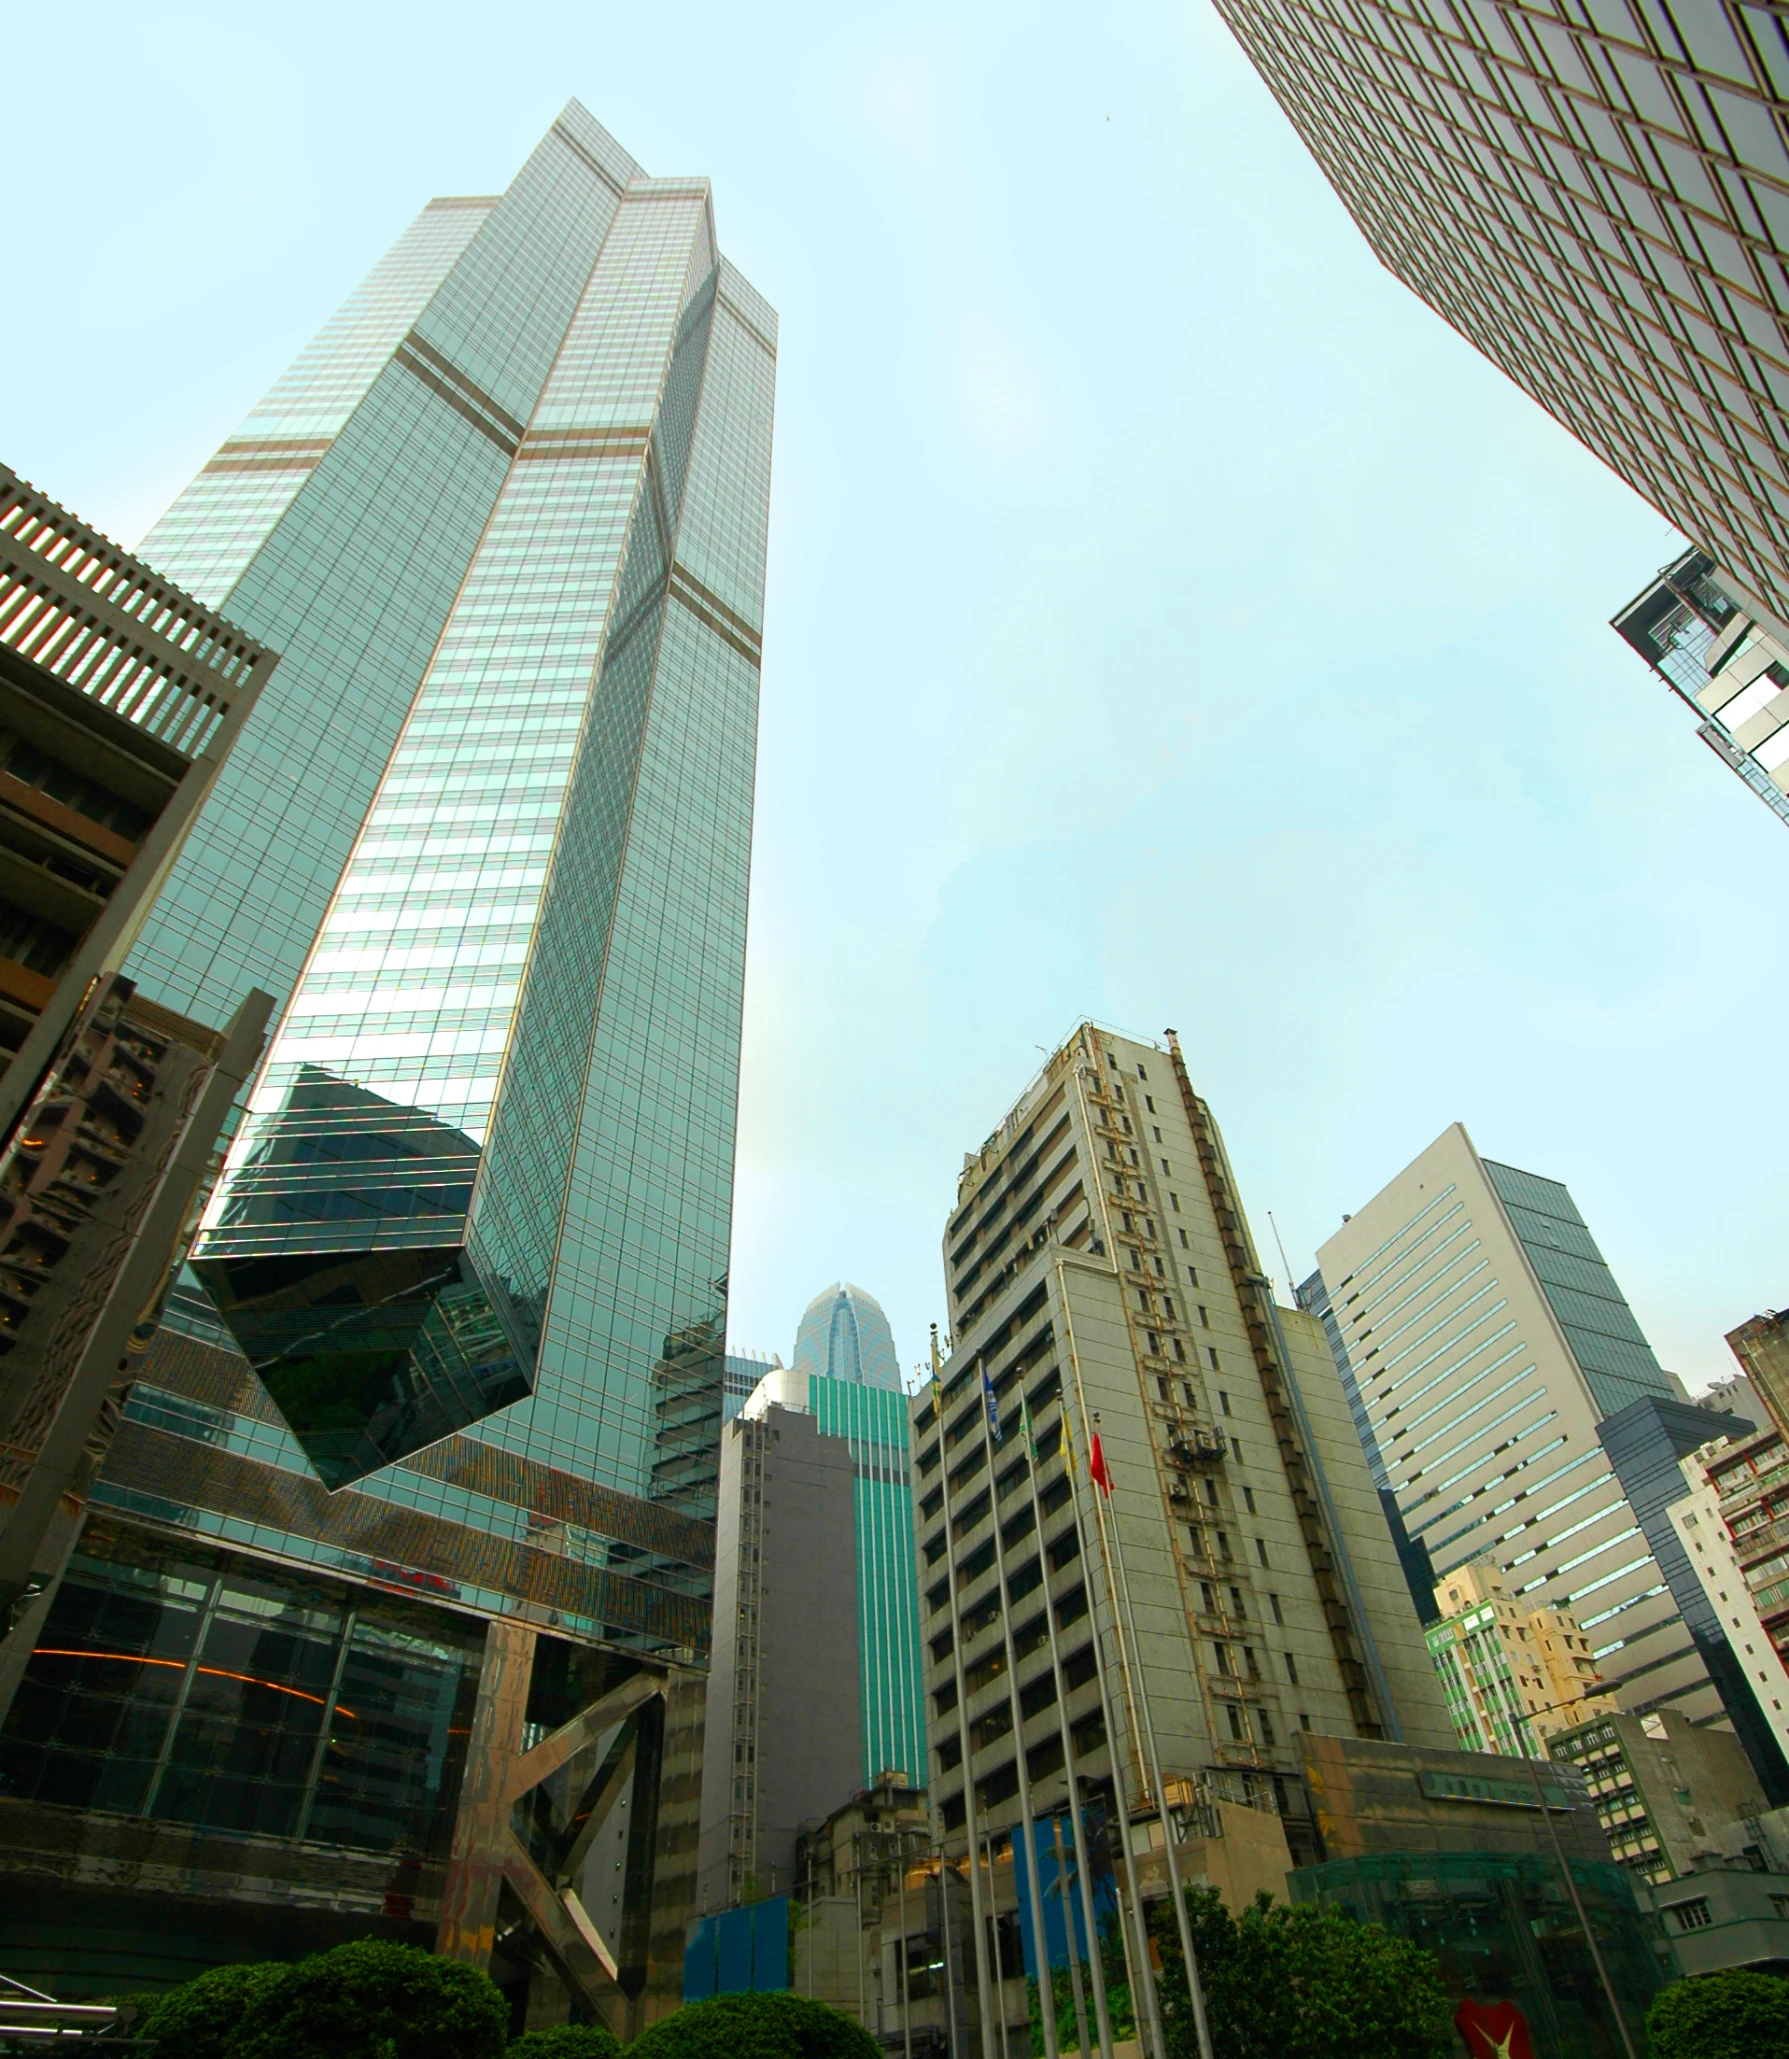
column 844, row 1335
column 487, row 842
column 505, row 520
column 1596, row 194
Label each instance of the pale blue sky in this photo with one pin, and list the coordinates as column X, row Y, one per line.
column 1169, row 618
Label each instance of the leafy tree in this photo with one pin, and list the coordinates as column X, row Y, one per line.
column 755, row 2026
column 1735, row 2014
column 565, row 2041
column 200, row 2018
column 1301, row 1983
column 373, row 2000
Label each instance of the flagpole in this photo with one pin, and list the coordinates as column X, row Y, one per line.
column 1194, row 1985
column 1083, row 1872
column 992, row 2048
column 991, row 1437
column 1075, row 1985
column 1146, row 2003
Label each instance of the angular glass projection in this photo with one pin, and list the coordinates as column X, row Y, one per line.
column 491, row 1149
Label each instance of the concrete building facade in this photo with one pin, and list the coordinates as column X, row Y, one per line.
column 782, row 1747
column 1239, row 1586
column 1732, row 1524
column 1668, row 1791
column 1489, row 1341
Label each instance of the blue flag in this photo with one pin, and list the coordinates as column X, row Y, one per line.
column 987, row 1388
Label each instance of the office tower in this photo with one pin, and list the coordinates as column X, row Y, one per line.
column 1490, row 1341
column 1652, row 1445
column 1665, row 1788
column 1101, row 1278
column 1413, row 1555
column 1511, row 1676
column 1762, row 1348
column 1599, row 201
column 120, row 697
column 872, row 1423
column 505, row 521
column 1726, row 664
column 1729, row 1527
column 785, row 1706
column 845, row 1336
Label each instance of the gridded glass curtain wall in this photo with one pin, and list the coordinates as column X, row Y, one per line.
column 489, row 1160
column 844, row 1335
column 1596, row 194
column 873, row 1422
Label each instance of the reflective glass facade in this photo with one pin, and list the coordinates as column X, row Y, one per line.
column 499, row 865
column 488, row 841
column 1729, row 668
column 192, row 1686
column 1596, row 194
column 873, row 1422
column 844, row 1335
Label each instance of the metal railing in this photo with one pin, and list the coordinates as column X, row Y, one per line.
column 102, row 621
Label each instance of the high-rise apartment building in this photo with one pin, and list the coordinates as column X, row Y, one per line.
column 487, row 842
column 1653, row 1446
column 1762, row 1347
column 1101, row 1280
column 1732, row 1521
column 1489, row 1341
column 1512, row 1676
column 1597, row 197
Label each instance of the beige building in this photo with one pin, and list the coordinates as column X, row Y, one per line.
column 1762, row 1348
column 1489, row 1340
column 1512, row 1676
column 1102, row 1279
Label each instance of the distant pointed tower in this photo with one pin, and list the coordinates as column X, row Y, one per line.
column 845, row 1336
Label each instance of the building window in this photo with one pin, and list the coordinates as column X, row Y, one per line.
column 1223, row 1401
column 1236, row 1449
column 1304, row 1721
column 1149, row 1102
column 1266, row 1722
column 1242, row 1614
column 1235, row 1726
column 1292, row 1672
column 1141, row 1074
column 1248, row 1499
column 1273, row 1602
column 1261, row 1549
column 1693, row 1915
column 1212, row 1354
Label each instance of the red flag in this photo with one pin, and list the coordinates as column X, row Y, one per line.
column 1096, row 1466
column 1493, row 2030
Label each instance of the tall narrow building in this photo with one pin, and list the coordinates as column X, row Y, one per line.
column 1598, row 199
column 487, row 843
column 1102, row 1280
column 1489, row 1341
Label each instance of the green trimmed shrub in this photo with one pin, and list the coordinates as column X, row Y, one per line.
column 373, row 2000
column 200, row 2019
column 1735, row 2014
column 565, row 2041
column 755, row 2026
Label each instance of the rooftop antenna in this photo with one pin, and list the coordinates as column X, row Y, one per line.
column 1284, row 1260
